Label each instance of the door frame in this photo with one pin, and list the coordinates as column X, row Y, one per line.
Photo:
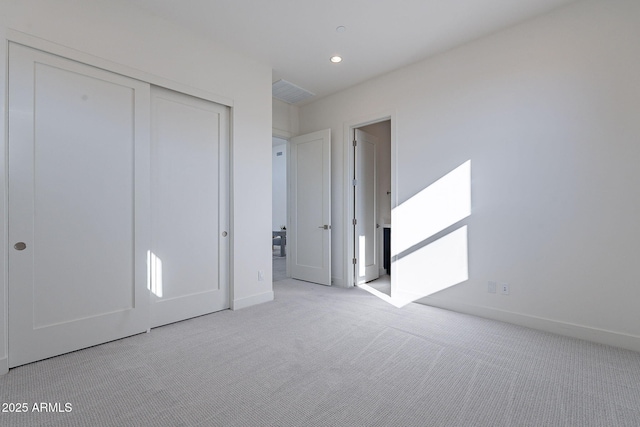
column 349, row 190
column 286, row 138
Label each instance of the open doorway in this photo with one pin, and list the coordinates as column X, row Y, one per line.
column 371, row 205
column 279, row 208
column 301, row 224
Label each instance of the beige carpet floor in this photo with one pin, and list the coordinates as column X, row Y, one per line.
column 325, row 356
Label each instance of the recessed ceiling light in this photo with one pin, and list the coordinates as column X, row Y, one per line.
column 335, row 59
column 341, row 29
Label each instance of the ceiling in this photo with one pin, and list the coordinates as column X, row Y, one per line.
column 297, row 37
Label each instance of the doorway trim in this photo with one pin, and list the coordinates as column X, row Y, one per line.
column 348, row 190
column 287, row 139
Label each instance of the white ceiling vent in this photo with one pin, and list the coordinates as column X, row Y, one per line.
column 288, row 92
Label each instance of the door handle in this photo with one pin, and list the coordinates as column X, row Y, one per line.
column 325, row 227
column 20, row 246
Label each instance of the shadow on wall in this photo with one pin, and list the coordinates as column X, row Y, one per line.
column 429, row 248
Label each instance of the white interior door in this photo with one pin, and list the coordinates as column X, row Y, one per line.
column 78, row 214
column 309, row 234
column 366, row 233
column 189, row 198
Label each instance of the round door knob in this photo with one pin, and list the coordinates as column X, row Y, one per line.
column 224, row 234
column 20, row 246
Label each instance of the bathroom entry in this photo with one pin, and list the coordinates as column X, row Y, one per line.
column 371, row 200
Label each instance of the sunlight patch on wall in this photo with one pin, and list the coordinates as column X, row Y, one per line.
column 432, row 268
column 362, row 265
column 154, row 274
column 443, row 203
column 422, row 266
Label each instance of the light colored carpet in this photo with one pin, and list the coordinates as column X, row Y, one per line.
column 381, row 284
column 322, row 356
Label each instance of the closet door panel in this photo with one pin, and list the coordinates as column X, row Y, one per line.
column 78, row 151
column 189, row 193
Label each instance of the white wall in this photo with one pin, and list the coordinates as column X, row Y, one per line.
column 548, row 112
column 279, row 184
column 285, row 119
column 114, row 31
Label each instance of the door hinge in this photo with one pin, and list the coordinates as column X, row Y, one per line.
column 355, row 261
column 355, row 143
column 355, row 221
column 355, row 182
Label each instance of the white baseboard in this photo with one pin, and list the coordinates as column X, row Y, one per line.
column 600, row 336
column 4, row 366
column 252, row 300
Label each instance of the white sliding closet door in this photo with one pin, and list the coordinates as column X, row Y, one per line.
column 78, row 205
column 189, row 254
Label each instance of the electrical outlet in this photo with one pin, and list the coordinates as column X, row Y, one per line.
column 504, row 289
column 491, row 287
column 260, row 276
